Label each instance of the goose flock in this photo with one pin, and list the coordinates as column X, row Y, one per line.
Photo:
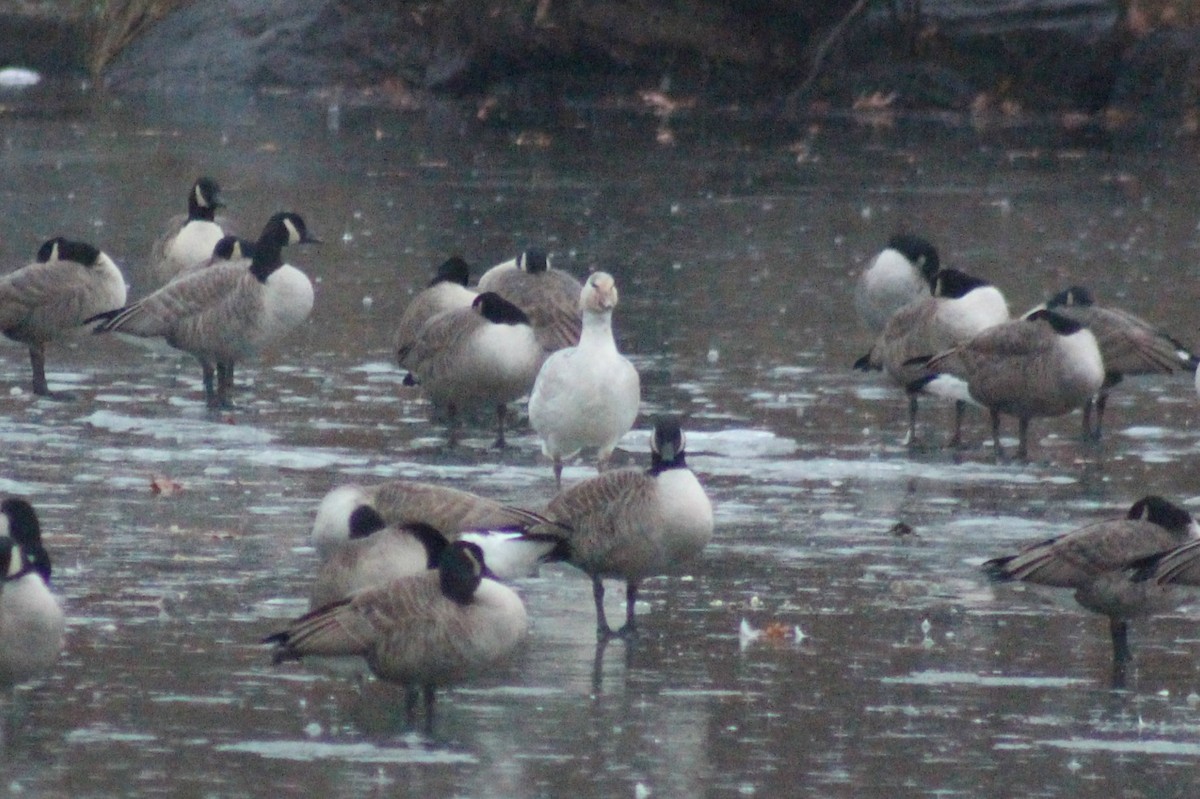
column 414, row 581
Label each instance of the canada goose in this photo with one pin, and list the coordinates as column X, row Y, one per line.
column 586, row 395
column 31, row 619
column 1100, row 562
column 901, row 273
column 67, row 283
column 513, row 539
column 425, row 631
column 550, row 297
column 1042, row 365
column 228, row 311
column 189, row 240
column 447, row 291
column 373, row 555
column 482, row 355
column 961, row 306
column 631, row 524
column 1129, row 345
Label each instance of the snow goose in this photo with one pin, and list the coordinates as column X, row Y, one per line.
column 189, row 240
column 631, row 524
column 961, row 306
column 586, row 395
column 901, row 273
column 485, row 355
column 67, row 283
column 548, row 296
column 31, row 619
column 426, row 631
column 229, row 311
column 1042, row 365
column 1102, row 561
column 1129, row 345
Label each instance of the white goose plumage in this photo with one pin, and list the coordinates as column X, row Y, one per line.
column 31, row 620
column 586, row 395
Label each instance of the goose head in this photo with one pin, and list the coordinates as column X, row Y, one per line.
column 60, row 249
column 1164, row 513
column 461, row 569
column 667, row 445
column 1073, row 296
column 919, row 252
column 19, row 523
column 533, row 261
column 204, row 199
column 453, row 270
column 599, row 294
column 231, row 248
column 497, row 310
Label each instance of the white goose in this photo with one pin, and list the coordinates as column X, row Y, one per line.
column 587, row 395
column 31, row 619
column 67, row 283
column 229, row 311
column 189, row 240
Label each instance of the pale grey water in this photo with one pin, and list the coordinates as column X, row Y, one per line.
column 734, row 254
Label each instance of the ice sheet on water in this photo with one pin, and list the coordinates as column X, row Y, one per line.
column 181, row 430
column 350, row 753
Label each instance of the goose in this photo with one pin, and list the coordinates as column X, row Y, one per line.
column 586, row 395
column 901, row 273
column 189, row 240
column 1042, row 365
column 1129, row 345
column 1101, row 563
column 229, row 311
column 67, row 283
column 482, row 355
column 550, row 297
column 961, row 306
column 374, row 554
column 513, row 539
column 31, row 620
column 426, row 631
column 447, row 291
column 631, row 524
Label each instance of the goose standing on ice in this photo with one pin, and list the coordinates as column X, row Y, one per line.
column 631, row 524
column 67, row 283
column 1106, row 564
column 430, row 630
column 548, row 296
column 586, row 395
column 31, row 620
column 189, row 240
column 901, row 273
column 485, row 355
column 228, row 312
column 1042, row 365
column 961, row 306
column 1129, row 345
column 447, row 291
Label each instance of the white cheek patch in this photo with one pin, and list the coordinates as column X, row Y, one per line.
column 293, row 234
column 200, row 197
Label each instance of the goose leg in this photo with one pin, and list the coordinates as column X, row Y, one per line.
column 911, row 436
column 1101, row 404
column 224, row 385
column 631, row 593
column 960, row 410
column 430, row 699
column 37, row 360
column 558, row 467
column 501, row 412
column 411, row 697
column 1088, row 433
column 210, row 391
column 1023, row 439
column 602, row 629
column 1121, row 653
column 996, row 436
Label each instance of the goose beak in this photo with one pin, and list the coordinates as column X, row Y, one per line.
column 309, row 239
